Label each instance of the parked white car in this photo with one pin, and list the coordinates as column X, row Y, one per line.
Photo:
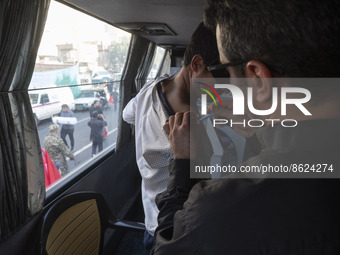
column 87, row 97
column 47, row 102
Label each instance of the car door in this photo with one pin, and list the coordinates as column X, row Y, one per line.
column 45, row 108
column 55, row 102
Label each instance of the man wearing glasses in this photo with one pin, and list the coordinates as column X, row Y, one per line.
column 259, row 41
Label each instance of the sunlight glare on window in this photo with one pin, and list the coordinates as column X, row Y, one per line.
column 156, row 62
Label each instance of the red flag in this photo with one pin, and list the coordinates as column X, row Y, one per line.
column 105, row 131
column 51, row 172
column 111, row 99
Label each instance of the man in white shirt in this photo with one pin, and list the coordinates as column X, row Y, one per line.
column 150, row 110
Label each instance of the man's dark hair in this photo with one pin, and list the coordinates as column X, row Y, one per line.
column 94, row 115
column 65, row 106
column 299, row 37
column 203, row 42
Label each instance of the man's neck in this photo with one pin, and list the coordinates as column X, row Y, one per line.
column 177, row 91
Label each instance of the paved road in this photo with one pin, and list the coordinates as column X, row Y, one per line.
column 83, row 144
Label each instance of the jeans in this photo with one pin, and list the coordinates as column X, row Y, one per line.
column 64, row 132
column 148, row 241
column 96, row 143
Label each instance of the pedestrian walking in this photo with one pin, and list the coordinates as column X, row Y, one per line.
column 97, row 124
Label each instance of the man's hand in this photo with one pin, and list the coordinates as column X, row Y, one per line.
column 226, row 112
column 178, row 131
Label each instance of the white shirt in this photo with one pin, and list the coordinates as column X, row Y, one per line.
column 153, row 150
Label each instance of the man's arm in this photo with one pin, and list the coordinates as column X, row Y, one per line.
column 170, row 235
column 130, row 111
column 173, row 198
column 65, row 150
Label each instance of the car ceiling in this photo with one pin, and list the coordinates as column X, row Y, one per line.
column 181, row 16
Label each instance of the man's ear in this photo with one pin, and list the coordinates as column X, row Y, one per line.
column 261, row 82
column 197, row 64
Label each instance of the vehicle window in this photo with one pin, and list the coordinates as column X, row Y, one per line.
column 44, row 99
column 86, row 94
column 103, row 73
column 34, row 98
column 75, row 66
column 156, row 62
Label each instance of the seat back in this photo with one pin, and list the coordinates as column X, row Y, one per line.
column 76, row 223
column 73, row 226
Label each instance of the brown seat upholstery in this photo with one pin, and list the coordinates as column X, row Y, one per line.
column 76, row 223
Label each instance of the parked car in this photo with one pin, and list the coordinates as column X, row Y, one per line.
column 47, row 102
column 87, row 97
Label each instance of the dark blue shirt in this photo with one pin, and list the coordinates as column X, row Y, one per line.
column 68, row 114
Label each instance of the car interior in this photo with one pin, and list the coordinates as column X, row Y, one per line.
column 110, row 185
column 69, row 179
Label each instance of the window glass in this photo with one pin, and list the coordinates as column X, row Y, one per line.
column 44, row 99
column 156, row 62
column 79, row 62
column 34, row 98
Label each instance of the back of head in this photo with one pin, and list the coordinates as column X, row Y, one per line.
column 94, row 115
column 299, row 37
column 53, row 128
column 203, row 42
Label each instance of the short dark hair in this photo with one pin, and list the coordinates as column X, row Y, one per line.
column 94, row 114
column 299, row 37
column 203, row 42
column 64, row 106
